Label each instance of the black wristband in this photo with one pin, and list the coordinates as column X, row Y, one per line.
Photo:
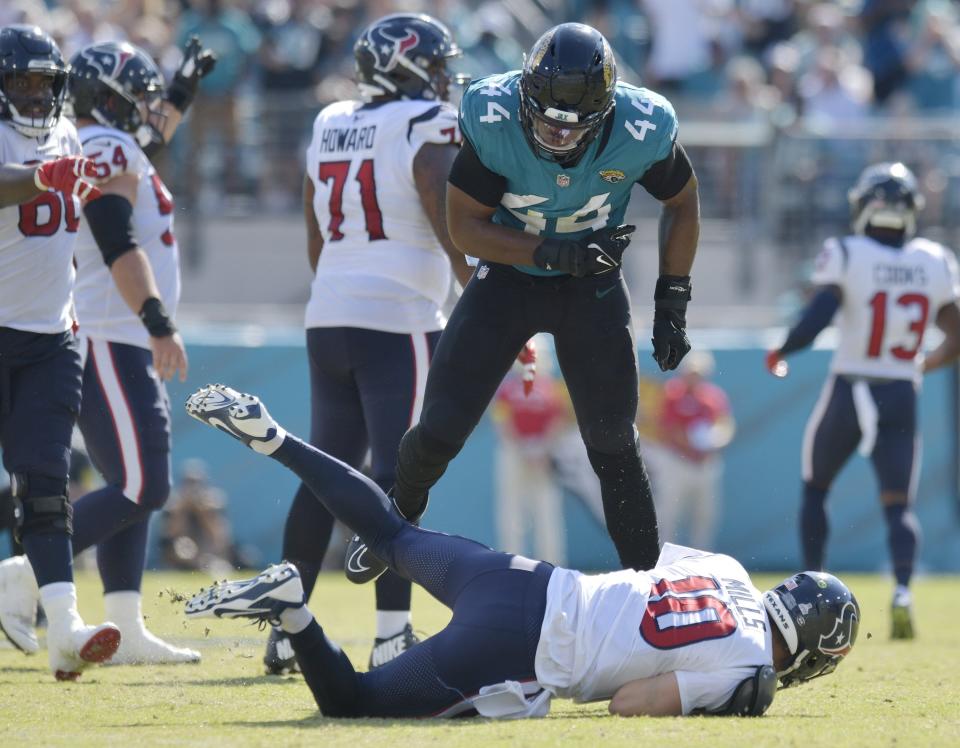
column 180, row 96
column 672, row 292
column 156, row 319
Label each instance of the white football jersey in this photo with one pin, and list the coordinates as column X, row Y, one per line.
column 381, row 267
column 101, row 310
column 890, row 295
column 37, row 239
column 695, row 614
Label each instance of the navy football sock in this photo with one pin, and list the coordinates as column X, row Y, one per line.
column 50, row 556
column 121, row 558
column 327, row 671
column 903, row 537
column 814, row 527
column 101, row 514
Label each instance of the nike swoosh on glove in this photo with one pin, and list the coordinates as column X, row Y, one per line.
column 596, row 253
column 670, row 342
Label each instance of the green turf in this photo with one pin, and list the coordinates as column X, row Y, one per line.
column 885, row 693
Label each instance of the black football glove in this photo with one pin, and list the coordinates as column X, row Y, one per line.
column 197, row 63
column 596, row 253
column 670, row 342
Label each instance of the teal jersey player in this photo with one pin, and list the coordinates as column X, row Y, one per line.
column 537, row 193
column 548, row 198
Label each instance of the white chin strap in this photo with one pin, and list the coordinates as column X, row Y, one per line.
column 26, row 126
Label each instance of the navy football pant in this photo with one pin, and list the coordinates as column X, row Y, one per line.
column 125, row 421
column 879, row 418
column 366, row 387
column 497, row 600
column 589, row 318
column 39, row 400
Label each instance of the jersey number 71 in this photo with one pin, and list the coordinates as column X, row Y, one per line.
column 365, row 177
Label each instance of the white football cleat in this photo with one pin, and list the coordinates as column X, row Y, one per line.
column 18, row 603
column 262, row 598
column 141, row 647
column 238, row 414
column 74, row 647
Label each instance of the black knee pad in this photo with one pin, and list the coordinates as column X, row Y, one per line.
column 40, row 505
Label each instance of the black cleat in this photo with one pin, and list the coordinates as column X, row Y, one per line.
column 359, row 564
column 388, row 649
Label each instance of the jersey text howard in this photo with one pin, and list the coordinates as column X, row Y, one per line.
column 335, row 139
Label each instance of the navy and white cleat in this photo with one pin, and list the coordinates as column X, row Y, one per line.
column 262, row 598
column 238, row 414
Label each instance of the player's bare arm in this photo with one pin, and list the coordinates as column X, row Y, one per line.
column 816, row 316
column 474, row 233
column 70, row 174
column 314, row 235
column 110, row 221
column 658, row 696
column 431, row 166
column 948, row 320
column 680, row 230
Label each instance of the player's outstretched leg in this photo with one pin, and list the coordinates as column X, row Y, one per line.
column 276, row 596
column 349, row 495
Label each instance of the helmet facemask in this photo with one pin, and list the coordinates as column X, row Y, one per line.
column 33, row 99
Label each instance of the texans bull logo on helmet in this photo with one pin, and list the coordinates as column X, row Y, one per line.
column 108, row 62
column 840, row 640
column 389, row 49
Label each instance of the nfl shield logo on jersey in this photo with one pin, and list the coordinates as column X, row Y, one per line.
column 563, row 180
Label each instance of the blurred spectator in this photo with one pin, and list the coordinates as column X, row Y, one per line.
column 229, row 32
column 885, row 24
column 683, row 48
column 835, row 90
column 695, row 424
column 290, row 56
column 86, row 25
column 933, row 60
column 766, row 22
column 825, row 27
column 494, row 49
column 196, row 533
column 528, row 495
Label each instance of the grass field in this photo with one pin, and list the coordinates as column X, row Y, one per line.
column 885, row 693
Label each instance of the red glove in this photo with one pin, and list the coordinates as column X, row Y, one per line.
column 66, row 175
column 528, row 360
column 776, row 365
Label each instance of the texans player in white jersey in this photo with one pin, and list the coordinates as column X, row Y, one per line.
column 43, row 181
column 690, row 635
column 882, row 285
column 374, row 194
column 128, row 285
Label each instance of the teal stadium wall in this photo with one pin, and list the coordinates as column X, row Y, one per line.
column 761, row 482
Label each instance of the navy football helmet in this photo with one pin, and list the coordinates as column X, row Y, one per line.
column 404, row 56
column 818, row 618
column 566, row 91
column 119, row 86
column 886, row 197
column 32, row 106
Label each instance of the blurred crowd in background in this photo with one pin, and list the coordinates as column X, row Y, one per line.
column 740, row 73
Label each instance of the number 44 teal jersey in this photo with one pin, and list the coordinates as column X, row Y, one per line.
column 545, row 198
